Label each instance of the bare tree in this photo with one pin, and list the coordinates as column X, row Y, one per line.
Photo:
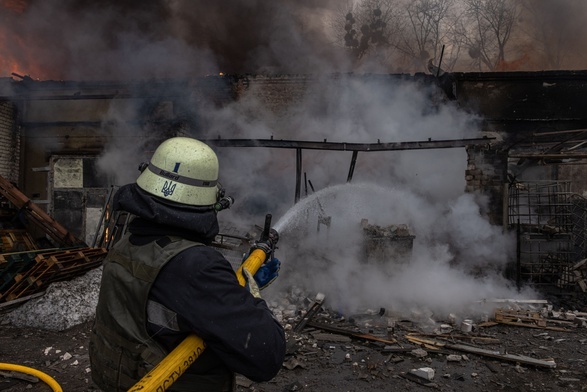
column 369, row 26
column 426, row 31
column 492, row 23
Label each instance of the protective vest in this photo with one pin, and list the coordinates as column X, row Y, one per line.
column 121, row 350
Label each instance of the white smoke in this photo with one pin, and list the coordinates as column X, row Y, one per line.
column 458, row 257
column 126, row 143
column 452, row 244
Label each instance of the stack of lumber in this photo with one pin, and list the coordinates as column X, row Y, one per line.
column 15, row 240
column 27, row 273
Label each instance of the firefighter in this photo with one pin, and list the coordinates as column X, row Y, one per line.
column 163, row 281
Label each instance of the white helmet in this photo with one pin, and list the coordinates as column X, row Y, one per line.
column 182, row 170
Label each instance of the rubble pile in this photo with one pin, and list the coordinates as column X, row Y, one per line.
column 520, row 345
column 377, row 345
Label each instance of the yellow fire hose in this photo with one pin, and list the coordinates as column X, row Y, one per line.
column 33, row 372
column 162, row 376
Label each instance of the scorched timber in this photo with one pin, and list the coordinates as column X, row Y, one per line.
column 332, row 146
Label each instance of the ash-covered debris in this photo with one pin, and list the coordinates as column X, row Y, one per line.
column 64, row 304
column 381, row 344
column 380, row 347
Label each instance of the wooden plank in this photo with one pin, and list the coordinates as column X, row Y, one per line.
column 10, row 238
column 12, row 267
column 352, row 334
column 500, row 318
column 8, row 305
column 549, row 363
column 30, row 281
column 36, row 214
column 529, row 319
column 51, row 266
column 580, row 264
column 516, row 324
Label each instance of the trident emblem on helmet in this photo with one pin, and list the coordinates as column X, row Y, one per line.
column 168, row 188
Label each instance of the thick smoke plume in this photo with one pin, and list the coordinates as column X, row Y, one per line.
column 458, row 257
column 112, row 40
column 130, row 39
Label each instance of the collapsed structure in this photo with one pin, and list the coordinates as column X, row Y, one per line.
column 528, row 163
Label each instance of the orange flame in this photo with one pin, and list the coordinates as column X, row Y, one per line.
column 18, row 6
column 513, row 65
column 8, row 64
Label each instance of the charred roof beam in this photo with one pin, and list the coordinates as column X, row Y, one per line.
column 343, row 146
column 300, row 145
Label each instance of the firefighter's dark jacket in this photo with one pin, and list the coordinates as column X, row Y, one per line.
column 194, row 286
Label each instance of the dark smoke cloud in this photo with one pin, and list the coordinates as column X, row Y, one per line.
column 557, row 31
column 81, row 39
column 131, row 39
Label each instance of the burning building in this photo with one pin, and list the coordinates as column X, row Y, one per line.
column 82, row 130
column 60, row 151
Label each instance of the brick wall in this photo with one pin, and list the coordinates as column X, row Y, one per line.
column 486, row 174
column 277, row 93
column 9, row 142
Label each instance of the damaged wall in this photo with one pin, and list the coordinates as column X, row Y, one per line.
column 9, row 142
column 76, row 118
column 73, row 122
column 518, row 108
column 486, row 174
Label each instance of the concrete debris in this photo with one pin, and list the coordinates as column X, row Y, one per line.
column 296, row 386
column 419, row 353
column 293, row 363
column 242, row 381
column 454, row 358
column 326, row 334
column 419, row 380
column 426, row 373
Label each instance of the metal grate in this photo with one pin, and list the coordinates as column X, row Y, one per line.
column 551, row 224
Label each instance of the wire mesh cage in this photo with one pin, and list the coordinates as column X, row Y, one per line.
column 551, row 222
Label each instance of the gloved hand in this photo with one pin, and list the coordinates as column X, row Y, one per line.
column 251, row 284
column 267, row 273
